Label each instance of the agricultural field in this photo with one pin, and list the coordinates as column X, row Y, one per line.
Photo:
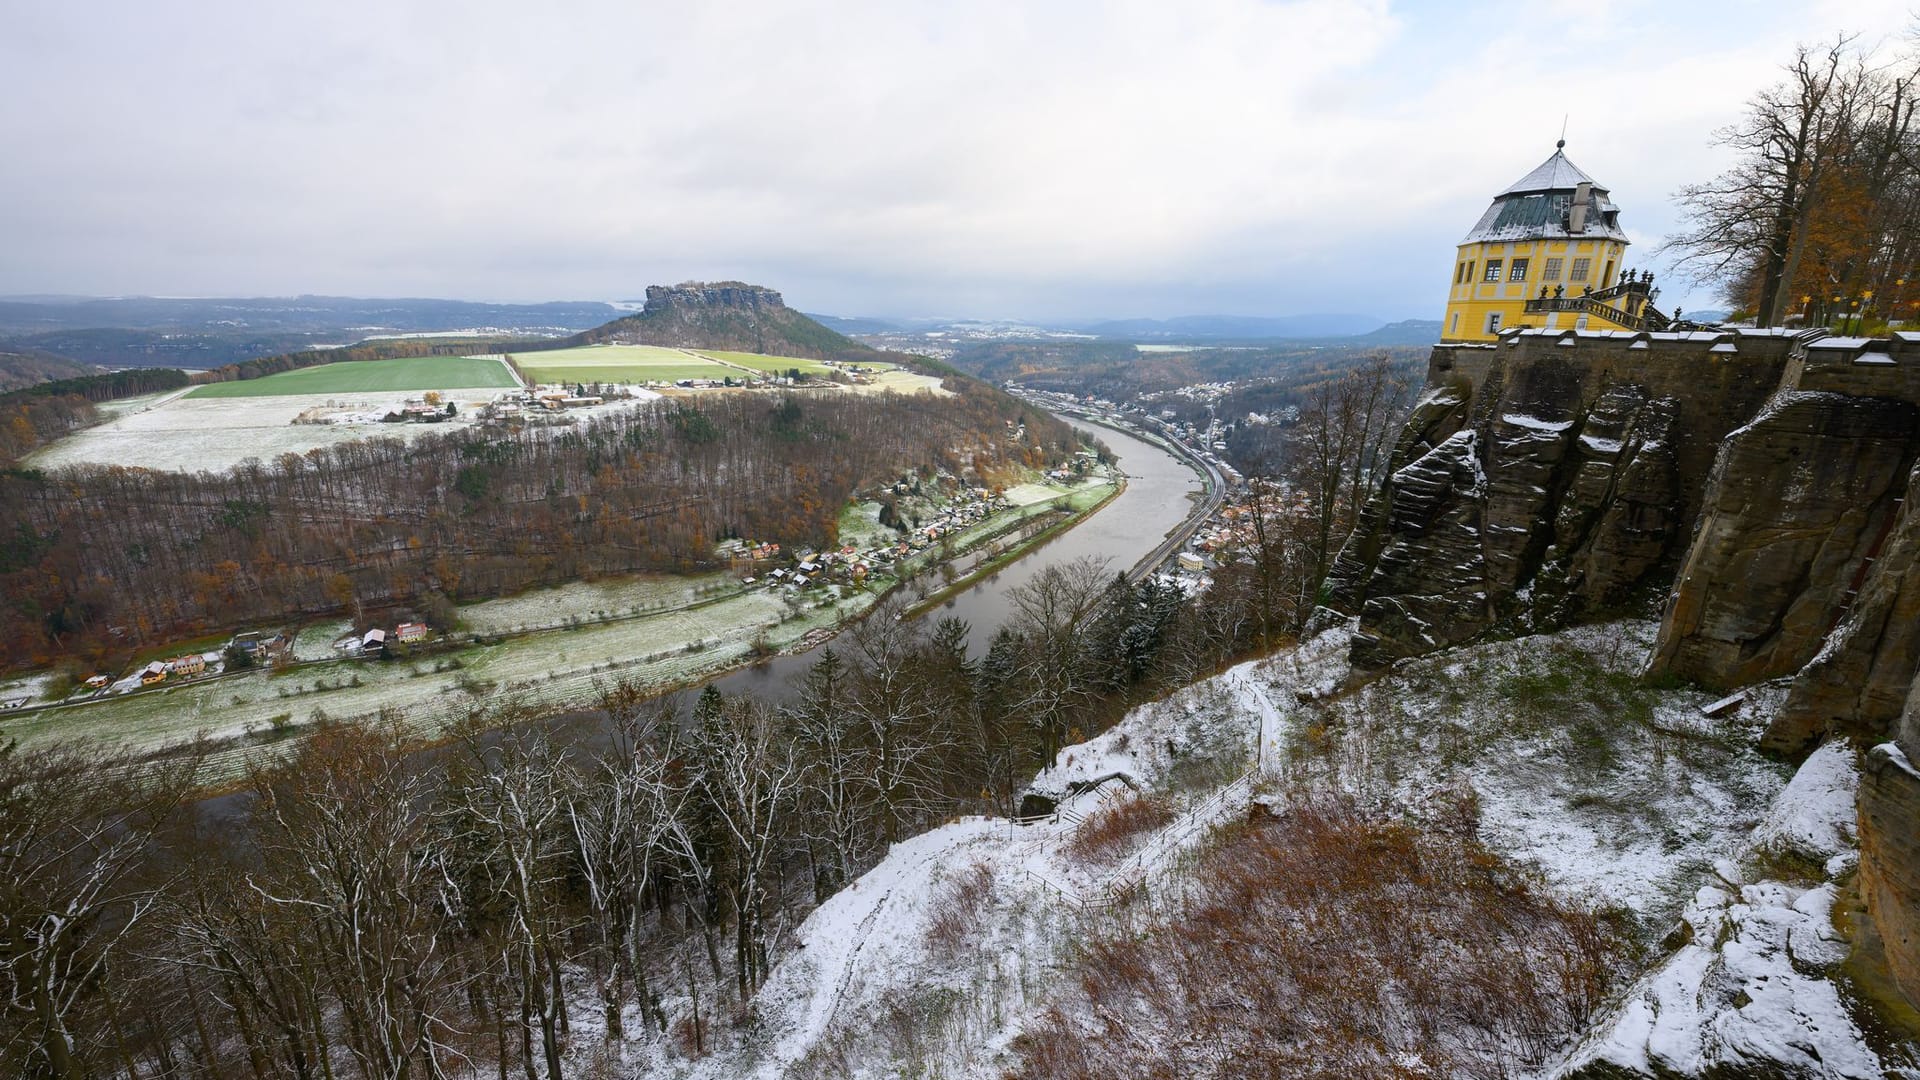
column 617, row 364
column 770, row 365
column 372, row 377
column 190, row 434
column 558, row 667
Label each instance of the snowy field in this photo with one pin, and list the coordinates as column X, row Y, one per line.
column 190, row 434
column 561, row 667
column 194, row 434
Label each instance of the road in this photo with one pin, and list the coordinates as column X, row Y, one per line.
column 1216, row 488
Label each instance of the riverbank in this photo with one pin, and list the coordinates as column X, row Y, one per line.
column 542, row 652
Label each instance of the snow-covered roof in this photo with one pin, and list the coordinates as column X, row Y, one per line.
column 1554, row 174
column 1537, row 206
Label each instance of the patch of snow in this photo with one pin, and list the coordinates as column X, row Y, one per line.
column 1736, row 997
column 1814, row 816
column 1535, row 423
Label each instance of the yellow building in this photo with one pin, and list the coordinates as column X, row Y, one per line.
column 1548, row 253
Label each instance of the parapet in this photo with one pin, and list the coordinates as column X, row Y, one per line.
column 1887, row 367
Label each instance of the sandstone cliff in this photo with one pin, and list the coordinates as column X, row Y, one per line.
column 1765, row 486
column 1545, row 477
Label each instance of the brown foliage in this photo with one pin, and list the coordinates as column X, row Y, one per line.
column 954, row 910
column 464, row 514
column 1320, row 944
column 1110, row 831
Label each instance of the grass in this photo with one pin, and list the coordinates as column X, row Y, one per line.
column 772, row 365
column 617, row 363
column 371, row 377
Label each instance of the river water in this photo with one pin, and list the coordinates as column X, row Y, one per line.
column 1161, row 489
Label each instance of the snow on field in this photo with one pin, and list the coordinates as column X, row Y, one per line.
column 193, row 434
column 590, row 600
column 315, row 642
column 555, row 668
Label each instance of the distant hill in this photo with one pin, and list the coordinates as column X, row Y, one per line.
column 210, row 332
column 728, row 315
column 1195, row 328
column 857, row 324
column 289, row 314
column 20, row 368
column 1404, row 332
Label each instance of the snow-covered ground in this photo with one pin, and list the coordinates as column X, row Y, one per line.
column 931, row 963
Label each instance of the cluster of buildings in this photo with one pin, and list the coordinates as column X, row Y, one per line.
column 851, row 564
column 380, row 641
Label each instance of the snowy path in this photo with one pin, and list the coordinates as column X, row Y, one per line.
column 871, row 928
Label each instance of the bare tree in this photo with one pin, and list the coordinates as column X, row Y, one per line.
column 1051, row 614
column 75, row 831
column 1754, row 218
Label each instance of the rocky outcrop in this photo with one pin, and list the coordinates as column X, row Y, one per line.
column 725, row 315
column 690, row 296
column 1587, row 454
column 1800, row 502
column 1858, row 682
column 1890, row 847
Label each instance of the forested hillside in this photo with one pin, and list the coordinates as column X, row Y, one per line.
column 1122, row 372
column 24, row 367
column 93, row 555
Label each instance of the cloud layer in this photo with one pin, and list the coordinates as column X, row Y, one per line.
column 992, row 158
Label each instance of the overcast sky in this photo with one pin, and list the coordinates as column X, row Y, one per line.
column 1032, row 159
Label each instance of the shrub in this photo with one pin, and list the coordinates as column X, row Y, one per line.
column 1321, row 944
column 1108, row 834
column 954, row 909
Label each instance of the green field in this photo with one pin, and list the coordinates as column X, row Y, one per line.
column 617, row 363
column 780, row 365
column 371, row 377
column 772, row 365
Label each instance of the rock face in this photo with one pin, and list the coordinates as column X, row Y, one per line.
column 725, row 315
column 692, row 295
column 1545, row 477
column 1858, row 682
column 1773, row 482
column 1802, row 499
column 1890, row 846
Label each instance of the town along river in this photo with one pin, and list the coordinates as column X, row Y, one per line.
column 1160, row 493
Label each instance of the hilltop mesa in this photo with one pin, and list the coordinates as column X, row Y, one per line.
column 731, row 315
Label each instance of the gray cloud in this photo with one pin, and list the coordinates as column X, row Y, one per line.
column 891, row 158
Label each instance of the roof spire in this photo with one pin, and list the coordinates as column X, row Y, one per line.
column 1562, row 144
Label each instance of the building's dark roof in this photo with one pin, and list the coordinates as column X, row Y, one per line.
column 1535, row 206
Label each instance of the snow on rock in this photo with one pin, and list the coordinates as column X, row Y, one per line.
column 1738, row 996
column 1814, row 817
column 1535, row 423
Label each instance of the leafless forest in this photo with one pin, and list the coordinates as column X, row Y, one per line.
column 97, row 559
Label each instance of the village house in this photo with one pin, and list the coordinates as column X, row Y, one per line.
column 408, row 633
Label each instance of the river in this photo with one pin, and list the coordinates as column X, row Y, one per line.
column 1160, row 493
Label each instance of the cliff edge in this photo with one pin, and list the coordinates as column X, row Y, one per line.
column 1760, row 487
